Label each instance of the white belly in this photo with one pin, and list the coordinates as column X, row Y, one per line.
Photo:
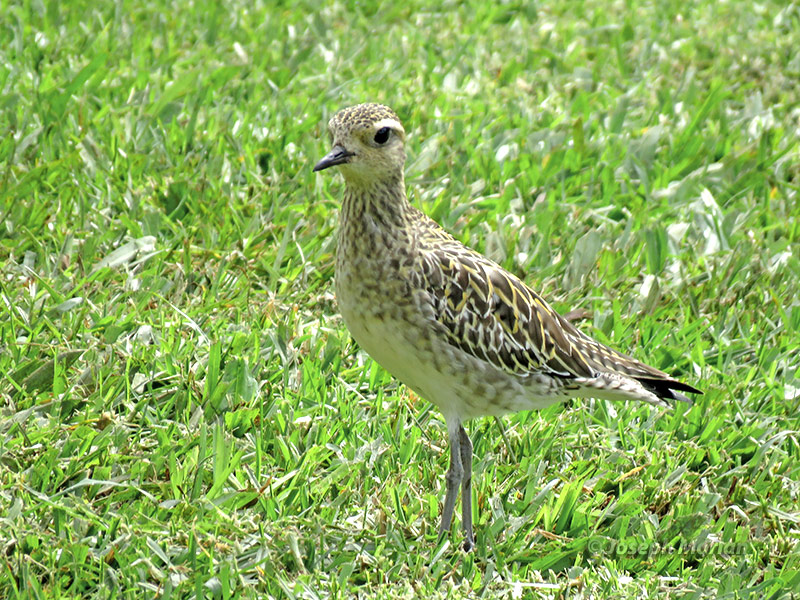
column 388, row 343
column 462, row 386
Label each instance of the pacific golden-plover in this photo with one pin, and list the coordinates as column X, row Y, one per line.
column 452, row 325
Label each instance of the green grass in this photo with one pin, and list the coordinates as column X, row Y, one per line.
column 183, row 413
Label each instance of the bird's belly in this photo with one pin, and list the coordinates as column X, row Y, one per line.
column 389, row 341
column 462, row 386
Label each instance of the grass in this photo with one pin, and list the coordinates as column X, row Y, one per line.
column 183, row 411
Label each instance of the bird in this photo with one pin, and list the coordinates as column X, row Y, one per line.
column 452, row 325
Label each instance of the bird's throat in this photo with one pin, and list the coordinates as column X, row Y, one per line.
column 382, row 204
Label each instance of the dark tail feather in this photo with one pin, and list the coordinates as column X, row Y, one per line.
column 667, row 388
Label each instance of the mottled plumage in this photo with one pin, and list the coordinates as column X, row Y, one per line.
column 448, row 322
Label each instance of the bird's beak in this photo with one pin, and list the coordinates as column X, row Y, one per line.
column 337, row 156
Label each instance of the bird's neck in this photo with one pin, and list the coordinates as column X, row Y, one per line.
column 381, row 204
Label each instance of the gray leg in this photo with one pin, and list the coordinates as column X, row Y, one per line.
column 466, row 488
column 454, row 476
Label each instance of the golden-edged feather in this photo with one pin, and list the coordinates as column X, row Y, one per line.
column 489, row 313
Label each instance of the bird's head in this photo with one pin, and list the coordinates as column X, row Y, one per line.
column 368, row 144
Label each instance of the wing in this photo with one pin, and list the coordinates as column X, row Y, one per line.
column 489, row 313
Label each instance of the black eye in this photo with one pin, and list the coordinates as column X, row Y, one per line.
column 382, row 136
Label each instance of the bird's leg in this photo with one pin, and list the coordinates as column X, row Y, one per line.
column 466, row 488
column 453, row 477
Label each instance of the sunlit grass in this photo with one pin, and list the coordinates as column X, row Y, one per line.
column 183, row 411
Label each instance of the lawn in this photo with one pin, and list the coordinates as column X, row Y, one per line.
column 182, row 411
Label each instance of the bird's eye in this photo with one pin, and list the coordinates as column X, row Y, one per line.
column 382, row 135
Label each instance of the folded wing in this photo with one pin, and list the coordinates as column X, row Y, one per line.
column 489, row 313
